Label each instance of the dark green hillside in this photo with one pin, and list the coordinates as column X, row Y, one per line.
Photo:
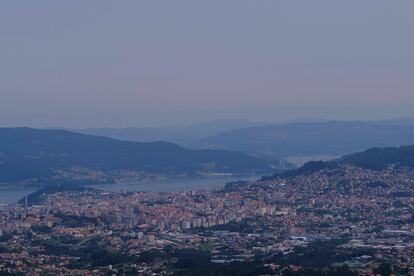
column 30, row 153
column 380, row 158
column 374, row 159
column 37, row 196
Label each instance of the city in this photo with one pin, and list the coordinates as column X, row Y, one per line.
column 363, row 218
column 207, row 138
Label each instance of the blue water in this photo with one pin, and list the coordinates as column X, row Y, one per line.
column 12, row 194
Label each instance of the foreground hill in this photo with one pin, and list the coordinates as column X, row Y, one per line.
column 380, row 158
column 32, row 155
column 373, row 159
column 335, row 138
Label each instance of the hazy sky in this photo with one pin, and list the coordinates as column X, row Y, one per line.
column 131, row 63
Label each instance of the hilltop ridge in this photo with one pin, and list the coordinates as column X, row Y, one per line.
column 33, row 156
column 372, row 159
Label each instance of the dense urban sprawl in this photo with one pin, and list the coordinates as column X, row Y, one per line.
column 346, row 217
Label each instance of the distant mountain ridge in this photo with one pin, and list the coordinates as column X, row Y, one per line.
column 331, row 138
column 32, row 154
column 182, row 135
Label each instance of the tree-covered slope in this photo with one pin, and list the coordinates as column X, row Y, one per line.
column 380, row 158
column 373, row 159
column 28, row 153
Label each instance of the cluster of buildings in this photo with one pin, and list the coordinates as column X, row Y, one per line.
column 369, row 212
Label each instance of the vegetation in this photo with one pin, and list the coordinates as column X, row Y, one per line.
column 227, row 269
column 38, row 196
column 341, row 271
column 40, row 156
column 373, row 159
column 380, row 158
column 198, row 262
column 318, row 254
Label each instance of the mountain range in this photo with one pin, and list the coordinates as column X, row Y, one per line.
column 32, row 155
column 329, row 139
column 182, row 135
column 296, row 141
